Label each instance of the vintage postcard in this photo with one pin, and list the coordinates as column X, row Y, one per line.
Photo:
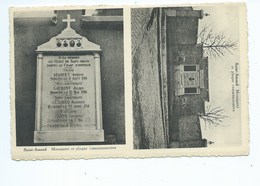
column 129, row 81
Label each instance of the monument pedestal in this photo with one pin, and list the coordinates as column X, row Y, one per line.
column 69, row 136
column 68, row 90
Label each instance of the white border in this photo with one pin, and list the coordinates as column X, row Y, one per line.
column 185, row 171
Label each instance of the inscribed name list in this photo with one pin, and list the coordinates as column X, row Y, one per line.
column 68, row 93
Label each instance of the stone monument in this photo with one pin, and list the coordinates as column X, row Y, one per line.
column 68, row 90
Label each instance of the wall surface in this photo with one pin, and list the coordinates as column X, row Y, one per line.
column 189, row 128
column 183, row 110
column 148, row 121
column 29, row 34
column 181, row 36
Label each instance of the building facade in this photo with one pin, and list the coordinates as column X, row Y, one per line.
column 170, row 78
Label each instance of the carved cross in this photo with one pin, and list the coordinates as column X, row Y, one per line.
column 68, row 20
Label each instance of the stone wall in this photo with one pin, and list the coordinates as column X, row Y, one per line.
column 147, row 110
column 189, row 128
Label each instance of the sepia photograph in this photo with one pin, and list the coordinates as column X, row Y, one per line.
column 129, row 81
column 186, row 76
column 130, row 93
column 69, row 80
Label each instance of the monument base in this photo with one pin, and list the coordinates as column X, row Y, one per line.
column 68, row 136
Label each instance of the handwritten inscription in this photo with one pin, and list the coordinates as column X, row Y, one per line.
column 68, row 93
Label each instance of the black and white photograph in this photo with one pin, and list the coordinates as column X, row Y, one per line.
column 69, row 77
column 186, row 67
column 90, row 82
column 129, row 93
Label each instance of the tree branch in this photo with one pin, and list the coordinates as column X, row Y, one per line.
column 216, row 44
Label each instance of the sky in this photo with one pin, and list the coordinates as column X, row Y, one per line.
column 226, row 20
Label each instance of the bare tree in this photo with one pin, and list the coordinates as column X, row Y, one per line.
column 213, row 116
column 216, row 44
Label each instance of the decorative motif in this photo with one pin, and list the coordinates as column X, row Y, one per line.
column 68, row 20
column 68, row 40
column 72, row 43
column 182, row 101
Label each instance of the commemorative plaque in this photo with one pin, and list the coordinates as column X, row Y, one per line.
column 68, row 90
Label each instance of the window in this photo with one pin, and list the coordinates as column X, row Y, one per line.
column 190, row 68
column 191, row 90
